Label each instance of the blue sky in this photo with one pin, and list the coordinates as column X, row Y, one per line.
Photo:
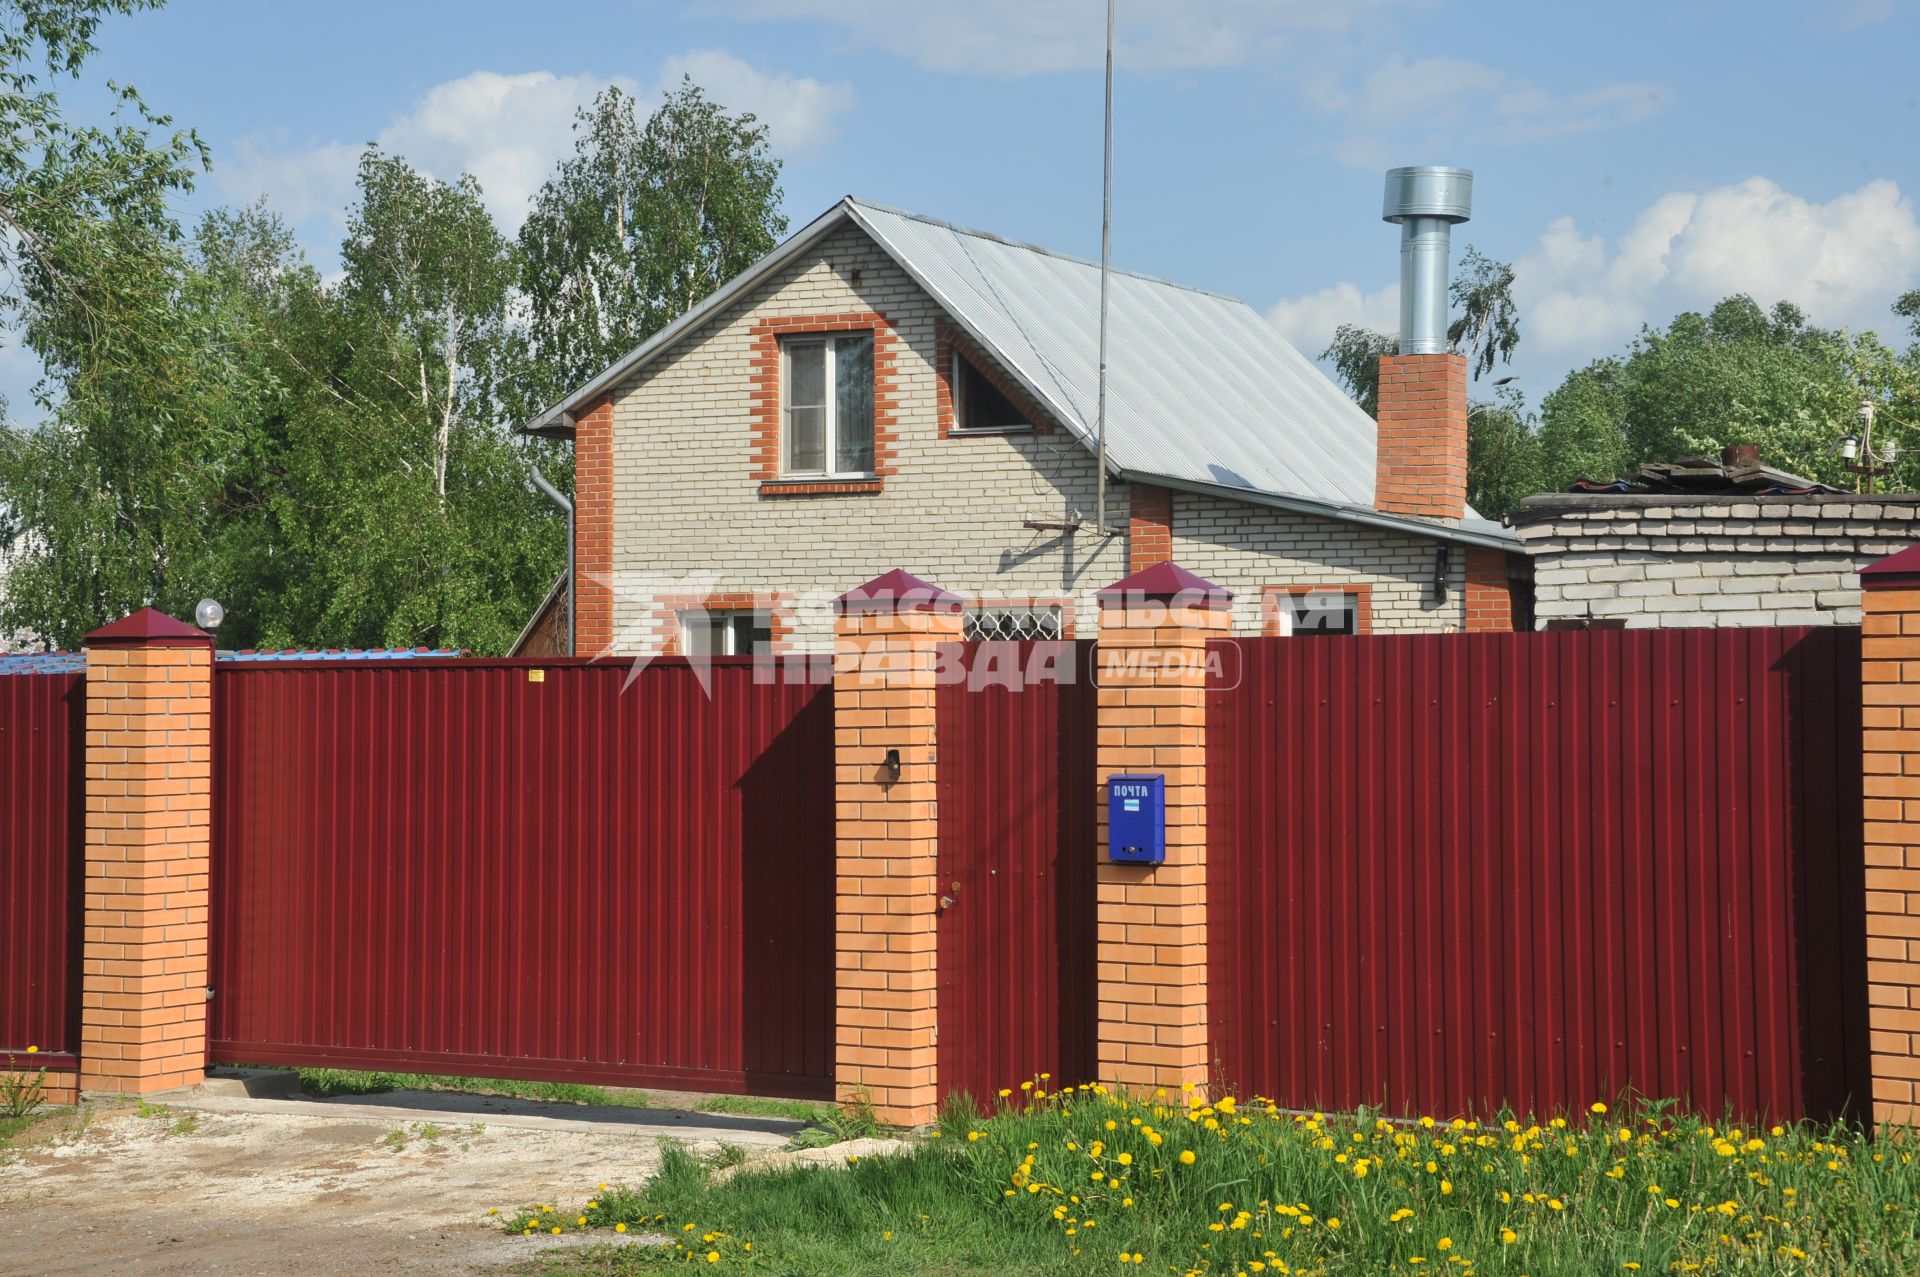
column 1633, row 159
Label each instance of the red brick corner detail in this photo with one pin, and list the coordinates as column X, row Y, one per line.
column 765, row 380
column 1149, row 526
column 593, row 527
column 1489, row 592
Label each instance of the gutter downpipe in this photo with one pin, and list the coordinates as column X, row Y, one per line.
column 561, row 499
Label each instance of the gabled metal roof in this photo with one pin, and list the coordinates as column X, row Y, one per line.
column 1203, row 392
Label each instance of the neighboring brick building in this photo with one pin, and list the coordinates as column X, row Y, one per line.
column 1707, row 544
column 884, row 387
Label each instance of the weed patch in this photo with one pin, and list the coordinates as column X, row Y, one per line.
column 758, row 1106
column 1085, row 1182
column 323, row 1083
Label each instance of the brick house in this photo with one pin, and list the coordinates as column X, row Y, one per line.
column 887, row 388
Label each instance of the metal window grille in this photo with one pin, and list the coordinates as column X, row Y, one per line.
column 1014, row 623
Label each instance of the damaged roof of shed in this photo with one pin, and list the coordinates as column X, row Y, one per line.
column 1203, row 392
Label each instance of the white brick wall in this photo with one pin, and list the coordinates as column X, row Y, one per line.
column 686, row 494
column 1247, row 547
column 1673, row 562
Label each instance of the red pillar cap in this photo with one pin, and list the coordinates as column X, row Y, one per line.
column 1167, row 583
column 1895, row 572
column 897, row 591
column 149, row 627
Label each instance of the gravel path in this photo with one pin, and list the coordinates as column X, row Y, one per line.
column 226, row 1184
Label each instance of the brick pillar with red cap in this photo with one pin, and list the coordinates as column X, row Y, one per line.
column 143, row 1002
column 1152, row 919
column 887, row 635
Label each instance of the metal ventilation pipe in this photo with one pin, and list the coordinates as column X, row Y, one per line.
column 1426, row 201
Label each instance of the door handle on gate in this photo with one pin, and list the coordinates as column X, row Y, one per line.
column 946, row 902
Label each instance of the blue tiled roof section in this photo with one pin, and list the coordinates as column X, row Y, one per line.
column 76, row 662
column 42, row 663
column 344, row 654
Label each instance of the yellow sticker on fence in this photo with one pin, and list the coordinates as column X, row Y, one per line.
column 536, row 676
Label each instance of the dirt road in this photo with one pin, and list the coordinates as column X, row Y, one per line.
column 218, row 1184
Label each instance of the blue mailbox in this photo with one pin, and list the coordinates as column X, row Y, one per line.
column 1137, row 820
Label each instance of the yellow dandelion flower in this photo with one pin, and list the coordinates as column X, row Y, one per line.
column 1186, row 1157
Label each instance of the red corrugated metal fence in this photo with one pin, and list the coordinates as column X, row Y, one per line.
column 1017, row 850
column 497, row 867
column 1453, row 872
column 42, row 771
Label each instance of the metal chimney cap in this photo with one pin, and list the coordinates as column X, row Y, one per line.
column 1428, row 190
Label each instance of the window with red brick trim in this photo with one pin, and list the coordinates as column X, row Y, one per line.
column 952, row 354
column 769, row 391
column 1319, row 610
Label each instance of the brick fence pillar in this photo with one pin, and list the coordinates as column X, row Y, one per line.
column 1154, row 628
column 886, row 639
column 143, row 1005
column 1890, row 670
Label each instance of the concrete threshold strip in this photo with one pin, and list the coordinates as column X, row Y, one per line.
column 245, row 1091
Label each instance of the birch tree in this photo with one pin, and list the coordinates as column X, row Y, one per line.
column 637, row 226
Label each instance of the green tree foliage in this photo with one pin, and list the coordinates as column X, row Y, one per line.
column 639, row 225
column 1739, row 374
column 1503, row 454
column 1489, row 325
column 335, row 460
column 1355, row 354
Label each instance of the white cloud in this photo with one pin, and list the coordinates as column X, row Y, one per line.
column 1429, row 103
column 1843, row 261
column 802, row 113
column 1580, row 297
column 1023, row 37
column 1309, row 322
column 508, row 130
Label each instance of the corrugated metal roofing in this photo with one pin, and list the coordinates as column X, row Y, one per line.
column 1199, row 386
column 1202, row 391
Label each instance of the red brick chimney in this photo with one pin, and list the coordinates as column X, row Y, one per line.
column 1421, row 467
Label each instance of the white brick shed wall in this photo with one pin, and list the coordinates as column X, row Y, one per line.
column 1669, row 562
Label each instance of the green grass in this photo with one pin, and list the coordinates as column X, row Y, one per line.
column 757, row 1106
column 330, row 1082
column 1067, row 1185
column 12, row 1126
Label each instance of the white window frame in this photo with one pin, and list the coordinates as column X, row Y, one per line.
column 830, row 411
column 1292, row 606
column 704, row 617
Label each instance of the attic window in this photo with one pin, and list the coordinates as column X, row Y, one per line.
column 978, row 404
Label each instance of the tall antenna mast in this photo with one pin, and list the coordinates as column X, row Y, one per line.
column 1106, row 248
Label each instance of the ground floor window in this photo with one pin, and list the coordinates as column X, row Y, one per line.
column 1317, row 611
column 724, row 633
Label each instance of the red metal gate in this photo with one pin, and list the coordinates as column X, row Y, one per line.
column 1453, row 872
column 1017, row 790
column 517, row 869
column 42, row 779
